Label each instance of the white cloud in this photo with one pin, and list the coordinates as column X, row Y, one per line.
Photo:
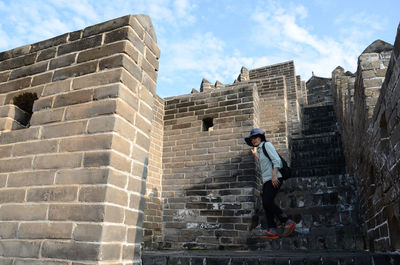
column 283, row 32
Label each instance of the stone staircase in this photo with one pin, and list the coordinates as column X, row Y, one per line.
column 320, row 197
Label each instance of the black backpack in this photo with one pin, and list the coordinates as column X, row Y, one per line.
column 286, row 171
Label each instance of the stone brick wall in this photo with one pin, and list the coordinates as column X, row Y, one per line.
column 153, row 208
column 76, row 115
column 287, row 70
column 319, row 91
column 209, row 182
column 272, row 111
column 372, row 142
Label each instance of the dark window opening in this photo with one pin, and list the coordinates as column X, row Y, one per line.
column 25, row 103
column 208, row 124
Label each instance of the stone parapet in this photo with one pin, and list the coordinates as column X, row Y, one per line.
column 76, row 117
column 369, row 123
column 209, row 181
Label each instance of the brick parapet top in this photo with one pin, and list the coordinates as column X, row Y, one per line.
column 291, row 62
column 207, row 93
column 140, row 23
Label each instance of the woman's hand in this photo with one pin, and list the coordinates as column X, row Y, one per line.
column 275, row 181
column 254, row 151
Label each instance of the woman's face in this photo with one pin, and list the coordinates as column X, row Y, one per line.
column 255, row 140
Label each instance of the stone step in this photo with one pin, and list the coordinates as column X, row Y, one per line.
column 267, row 257
column 316, row 171
column 322, row 184
column 318, row 142
column 328, row 161
column 319, row 239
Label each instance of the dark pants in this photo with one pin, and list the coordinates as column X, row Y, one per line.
column 270, row 208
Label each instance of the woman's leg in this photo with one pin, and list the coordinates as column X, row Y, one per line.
column 270, row 208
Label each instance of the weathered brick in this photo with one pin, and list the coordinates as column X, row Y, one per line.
column 28, row 70
column 101, row 124
column 19, row 248
column 82, row 176
column 62, row 194
column 8, row 230
column 133, row 217
column 47, row 116
column 70, row 250
column 42, row 79
column 3, row 180
column 38, row 147
column 121, row 60
column 75, row 97
column 46, row 54
column 145, row 111
column 18, row 62
column 15, row 84
column 64, row 129
column 129, row 81
column 62, row 61
column 5, row 151
column 142, row 140
column 30, row 178
column 126, row 111
column 15, row 164
column 20, row 212
column 43, row 103
column 137, row 183
column 12, row 195
column 103, row 51
column 45, row 230
column 88, row 232
column 125, row 33
column 49, row 43
column 117, row 178
column 106, row 26
column 4, row 76
column 110, row 252
column 39, row 262
column 114, row 233
column 80, row 45
column 84, row 143
column 114, row 214
column 125, row 129
column 139, row 154
column 143, row 124
column 91, row 109
column 75, row 71
column 96, row 159
column 145, row 22
column 136, row 202
column 75, row 35
column 58, row 161
column 92, row 194
column 121, row 145
column 150, row 70
column 77, row 212
column 152, row 46
column 57, row 87
column 97, row 79
column 152, row 59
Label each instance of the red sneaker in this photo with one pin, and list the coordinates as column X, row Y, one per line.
column 289, row 228
column 270, row 235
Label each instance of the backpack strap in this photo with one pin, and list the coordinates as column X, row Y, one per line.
column 265, row 152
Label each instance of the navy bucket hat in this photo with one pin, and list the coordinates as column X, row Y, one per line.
column 255, row 132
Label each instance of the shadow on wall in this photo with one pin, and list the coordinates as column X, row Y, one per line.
column 216, row 210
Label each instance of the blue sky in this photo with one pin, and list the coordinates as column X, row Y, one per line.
column 213, row 39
